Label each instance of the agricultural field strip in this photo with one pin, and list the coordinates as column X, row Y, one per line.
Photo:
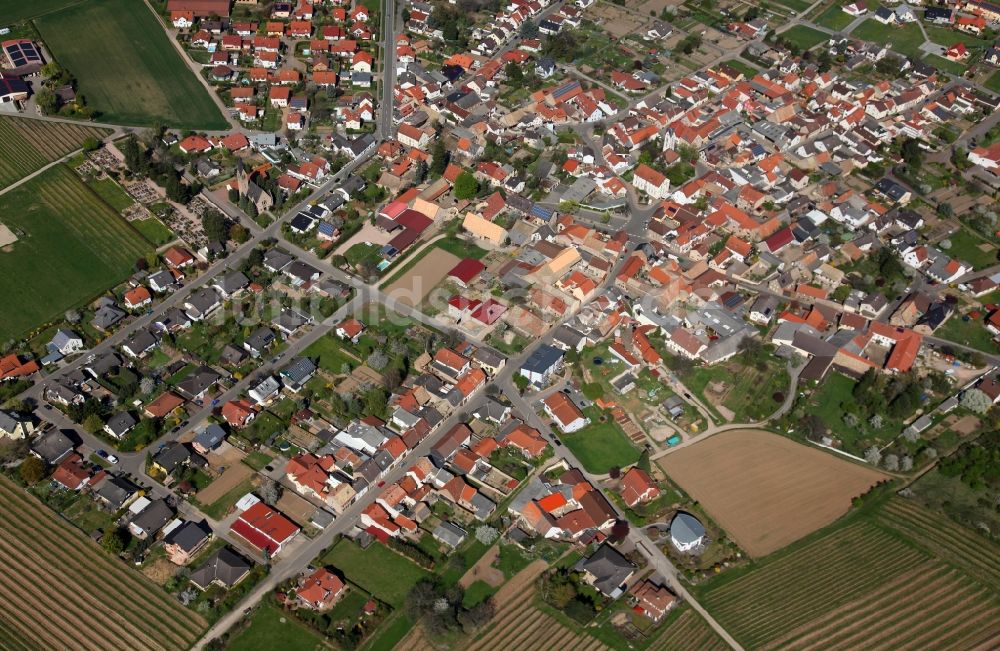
column 891, row 614
column 764, row 628
column 848, row 611
column 27, row 145
column 688, row 632
column 944, row 621
column 86, row 610
column 902, row 603
column 979, row 634
column 17, row 157
column 975, row 557
column 503, row 617
column 133, row 598
column 529, row 620
column 95, row 235
column 10, row 638
column 751, row 612
column 37, row 624
column 733, row 591
column 956, row 602
column 55, row 139
column 125, row 584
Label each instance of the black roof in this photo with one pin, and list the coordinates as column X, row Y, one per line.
column 188, row 535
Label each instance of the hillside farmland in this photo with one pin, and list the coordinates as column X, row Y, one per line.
column 28, row 145
column 886, row 578
column 102, row 604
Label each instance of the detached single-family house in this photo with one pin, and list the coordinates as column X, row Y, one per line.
column 566, row 415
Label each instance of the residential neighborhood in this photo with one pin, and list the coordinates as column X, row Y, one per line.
column 530, row 324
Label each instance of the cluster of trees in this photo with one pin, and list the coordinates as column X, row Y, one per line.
column 160, row 166
column 57, row 77
column 976, row 463
column 898, row 396
column 466, row 185
column 563, row 590
column 563, row 46
column 215, row 226
column 440, row 609
column 689, row 44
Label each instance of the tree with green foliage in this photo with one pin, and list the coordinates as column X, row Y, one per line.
column 238, row 233
column 514, row 74
column 214, row 225
column 90, row 143
column 31, row 470
column 113, row 541
column 93, row 424
column 562, row 46
column 135, row 156
column 912, row 153
column 439, row 157
column 466, row 185
column 47, row 101
column 976, row 401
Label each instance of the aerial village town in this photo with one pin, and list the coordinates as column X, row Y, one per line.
column 489, row 325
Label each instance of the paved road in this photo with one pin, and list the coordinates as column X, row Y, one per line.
column 299, row 558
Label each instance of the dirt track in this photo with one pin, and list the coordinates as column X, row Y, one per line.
column 765, row 490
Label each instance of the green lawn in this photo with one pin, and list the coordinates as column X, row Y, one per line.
column 941, row 63
column 362, row 251
column 113, row 195
column 905, row 40
column 965, row 245
column 127, row 68
column 154, row 230
column 390, row 633
column 748, row 70
column 599, row 446
column 798, row 6
column 263, row 426
column 257, row 459
column 332, row 353
column 993, row 83
column 948, row 37
column 476, row 593
column 970, row 333
column 805, row 37
column 71, row 247
column 270, row 628
column 379, row 570
column 834, row 18
column 827, row 402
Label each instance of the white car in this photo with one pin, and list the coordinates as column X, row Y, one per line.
column 112, row 459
